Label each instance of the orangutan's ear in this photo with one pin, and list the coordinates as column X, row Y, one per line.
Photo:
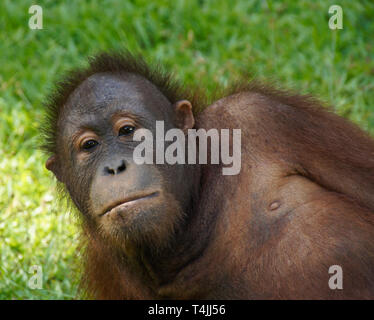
column 185, row 116
column 51, row 165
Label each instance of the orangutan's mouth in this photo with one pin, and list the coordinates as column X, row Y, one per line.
column 128, row 202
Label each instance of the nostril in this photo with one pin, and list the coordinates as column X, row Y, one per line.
column 108, row 170
column 122, row 167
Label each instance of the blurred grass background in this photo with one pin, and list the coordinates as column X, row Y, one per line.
column 204, row 42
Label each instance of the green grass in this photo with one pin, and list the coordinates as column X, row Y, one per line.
column 204, row 42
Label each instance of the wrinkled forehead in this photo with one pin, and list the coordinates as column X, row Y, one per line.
column 104, row 93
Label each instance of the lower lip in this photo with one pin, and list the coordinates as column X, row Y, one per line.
column 131, row 203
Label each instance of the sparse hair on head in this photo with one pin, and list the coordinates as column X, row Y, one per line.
column 119, row 63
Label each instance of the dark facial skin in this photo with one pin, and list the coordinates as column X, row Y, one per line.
column 129, row 204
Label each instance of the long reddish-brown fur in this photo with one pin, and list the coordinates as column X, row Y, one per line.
column 291, row 145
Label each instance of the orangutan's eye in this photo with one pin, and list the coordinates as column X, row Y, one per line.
column 89, row 144
column 126, row 130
